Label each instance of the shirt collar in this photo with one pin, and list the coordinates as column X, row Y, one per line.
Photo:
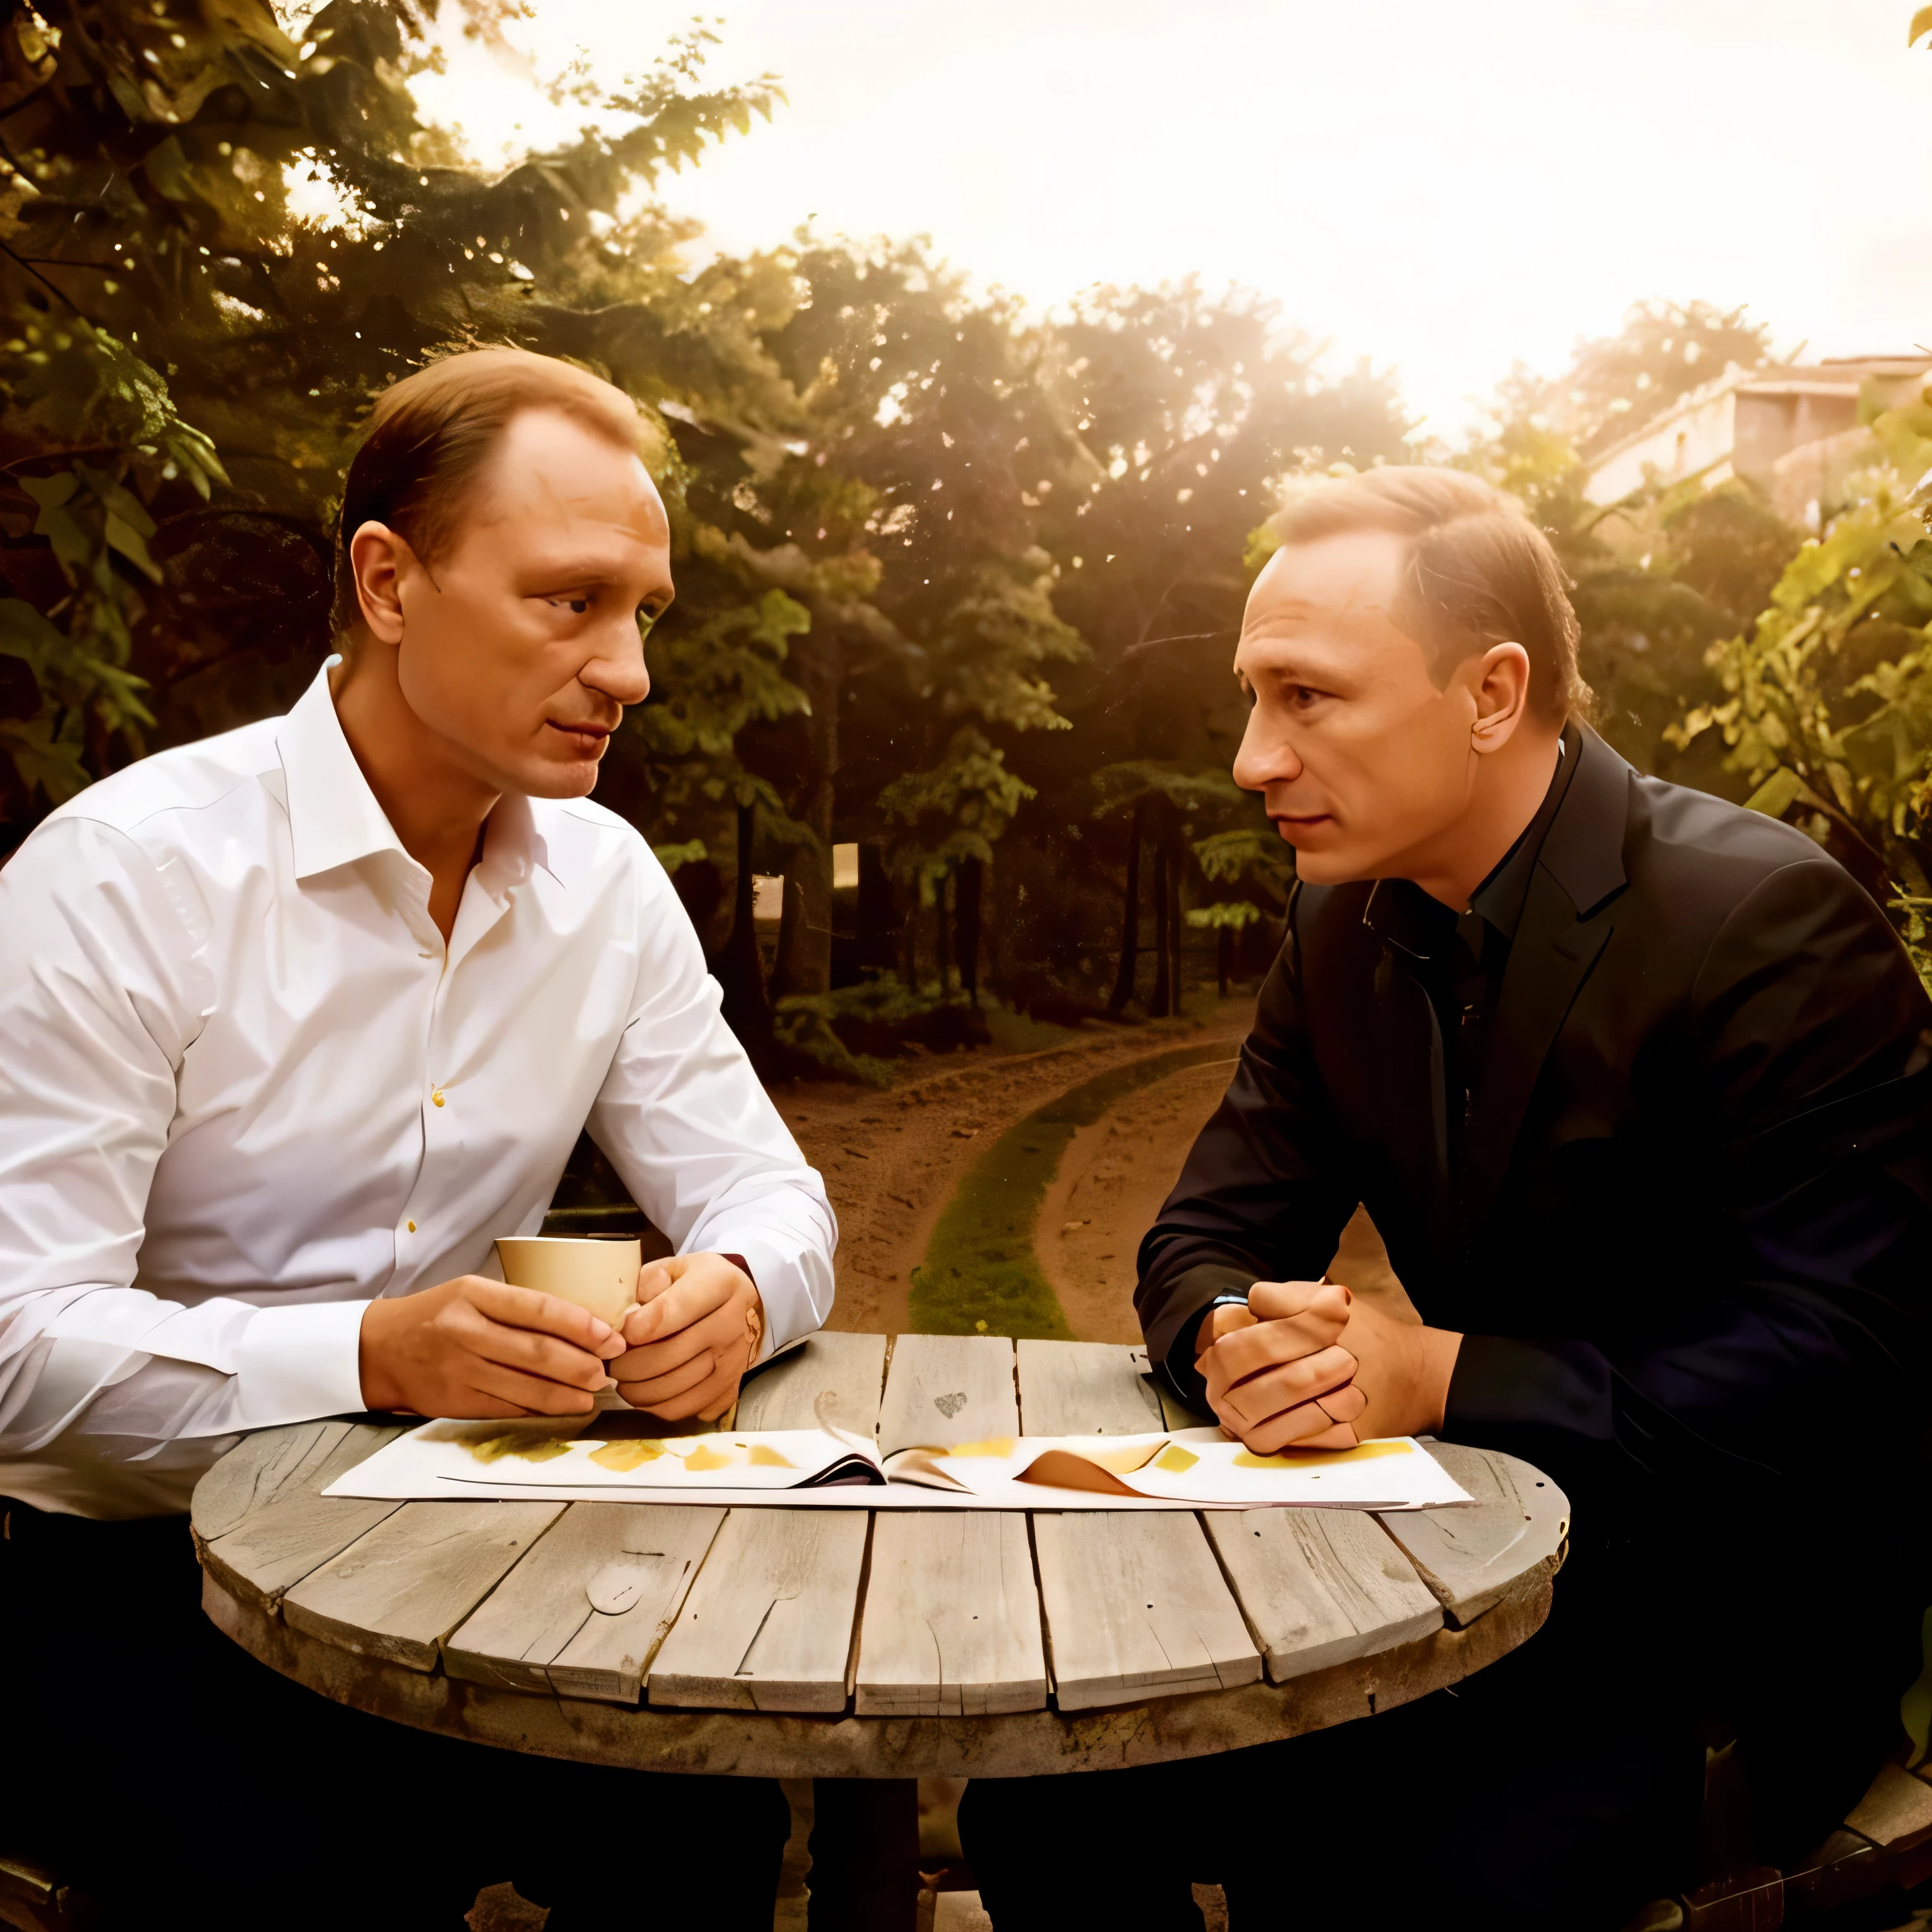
column 1401, row 913
column 1500, row 897
column 334, row 818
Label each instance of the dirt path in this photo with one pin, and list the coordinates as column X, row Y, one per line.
column 891, row 1160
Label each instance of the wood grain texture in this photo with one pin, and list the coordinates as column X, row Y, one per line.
column 398, row 1591
column 785, row 1395
column 1086, row 1388
column 944, row 1389
column 1471, row 1558
column 265, row 1524
column 768, row 1623
column 585, row 1610
column 1896, row 1811
column 951, row 1624
column 750, row 1743
column 1319, row 1586
column 1136, row 1607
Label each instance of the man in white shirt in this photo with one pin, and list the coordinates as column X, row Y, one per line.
column 294, row 1022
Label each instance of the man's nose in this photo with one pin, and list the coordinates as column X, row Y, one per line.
column 618, row 669
column 1265, row 757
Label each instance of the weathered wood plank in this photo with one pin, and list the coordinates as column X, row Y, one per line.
column 951, row 1625
column 1319, row 1586
column 785, row 1395
column 249, row 1476
column 1086, row 1388
column 287, row 1528
column 584, row 1613
column 398, row 1591
column 1471, row 1558
column 767, row 1625
column 943, row 1389
column 1136, row 1607
column 1896, row 1813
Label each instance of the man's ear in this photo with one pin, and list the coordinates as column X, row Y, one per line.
column 378, row 558
column 1500, row 686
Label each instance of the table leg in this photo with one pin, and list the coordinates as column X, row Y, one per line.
column 865, row 1855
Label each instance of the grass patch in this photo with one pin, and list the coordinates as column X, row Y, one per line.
column 982, row 1275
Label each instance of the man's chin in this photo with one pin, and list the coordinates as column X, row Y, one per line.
column 1332, row 866
column 559, row 777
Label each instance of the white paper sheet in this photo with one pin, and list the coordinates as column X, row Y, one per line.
column 606, row 1461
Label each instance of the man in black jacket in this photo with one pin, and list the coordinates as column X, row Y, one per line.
column 1637, row 1086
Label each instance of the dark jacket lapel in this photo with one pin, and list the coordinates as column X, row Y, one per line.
column 1566, row 920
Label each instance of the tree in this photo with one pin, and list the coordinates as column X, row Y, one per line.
column 1658, row 578
column 186, row 359
column 1187, row 410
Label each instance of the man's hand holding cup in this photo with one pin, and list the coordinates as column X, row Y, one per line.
column 696, row 1325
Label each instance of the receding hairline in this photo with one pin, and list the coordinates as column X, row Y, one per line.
column 1477, row 570
column 470, row 504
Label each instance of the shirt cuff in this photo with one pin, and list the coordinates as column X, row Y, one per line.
column 783, row 1292
column 294, row 1364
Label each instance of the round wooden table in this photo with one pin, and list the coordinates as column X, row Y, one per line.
column 772, row 1642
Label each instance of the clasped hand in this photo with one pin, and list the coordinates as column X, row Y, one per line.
column 472, row 1347
column 1306, row 1365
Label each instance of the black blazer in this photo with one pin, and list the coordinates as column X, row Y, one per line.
column 1690, row 1238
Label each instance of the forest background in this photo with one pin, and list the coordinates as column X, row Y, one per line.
column 959, row 584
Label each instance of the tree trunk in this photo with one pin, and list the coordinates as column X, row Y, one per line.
column 1162, row 1004
column 1224, row 957
column 741, row 968
column 967, row 895
column 1176, row 865
column 1130, row 923
column 878, row 913
column 941, row 937
column 804, row 964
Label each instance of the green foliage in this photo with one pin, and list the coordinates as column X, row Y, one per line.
column 1232, row 915
column 952, row 811
column 164, row 303
column 1826, row 702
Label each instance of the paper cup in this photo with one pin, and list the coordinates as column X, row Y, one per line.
column 600, row 1276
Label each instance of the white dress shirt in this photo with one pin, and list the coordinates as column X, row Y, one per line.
column 245, row 1089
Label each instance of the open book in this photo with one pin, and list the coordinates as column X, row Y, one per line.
column 607, row 1458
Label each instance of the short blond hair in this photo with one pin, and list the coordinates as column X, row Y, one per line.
column 1479, row 571
column 429, row 435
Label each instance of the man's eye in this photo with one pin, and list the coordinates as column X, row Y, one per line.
column 578, row 605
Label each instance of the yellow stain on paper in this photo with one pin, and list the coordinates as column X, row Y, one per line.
column 1175, row 1460
column 627, row 1453
column 702, row 1458
column 765, row 1457
column 997, row 1445
column 1316, row 1459
column 530, row 1445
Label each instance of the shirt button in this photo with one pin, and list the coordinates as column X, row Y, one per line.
column 411, row 1225
column 435, row 1095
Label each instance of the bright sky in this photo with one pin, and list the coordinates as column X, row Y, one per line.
column 1443, row 188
